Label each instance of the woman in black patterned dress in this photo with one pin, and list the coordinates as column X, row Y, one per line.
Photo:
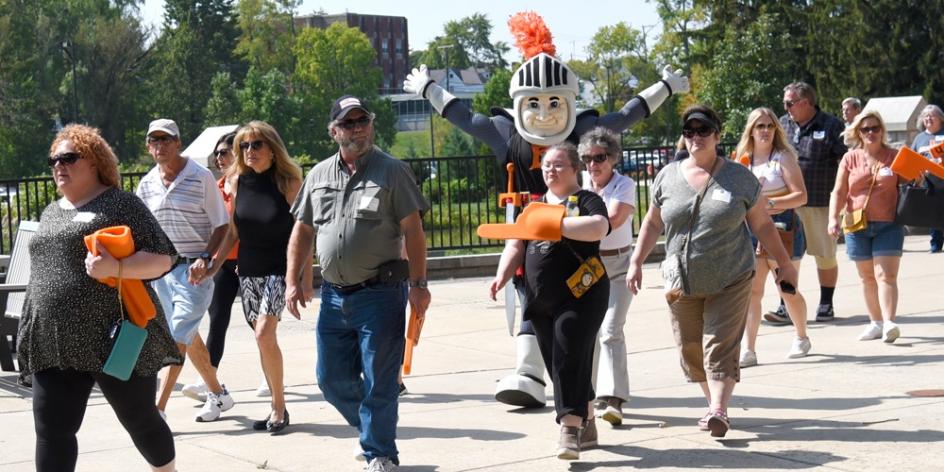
column 64, row 333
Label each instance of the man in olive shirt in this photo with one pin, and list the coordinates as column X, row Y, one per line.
column 817, row 137
column 362, row 204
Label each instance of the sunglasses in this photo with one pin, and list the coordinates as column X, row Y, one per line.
column 351, row 124
column 65, row 158
column 256, row 145
column 159, row 139
column 790, row 103
column 764, row 126
column 222, row 152
column 870, row 129
column 598, row 158
column 703, row 132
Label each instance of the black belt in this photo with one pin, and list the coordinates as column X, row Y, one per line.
column 348, row 289
column 615, row 252
column 186, row 260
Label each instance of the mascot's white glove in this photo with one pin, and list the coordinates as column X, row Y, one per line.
column 672, row 82
column 677, row 82
column 419, row 83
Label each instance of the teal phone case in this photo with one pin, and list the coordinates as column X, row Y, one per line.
column 125, row 352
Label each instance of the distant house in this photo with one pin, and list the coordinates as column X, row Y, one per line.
column 900, row 115
column 201, row 149
column 413, row 113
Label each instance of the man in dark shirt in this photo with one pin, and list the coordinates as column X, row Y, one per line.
column 817, row 137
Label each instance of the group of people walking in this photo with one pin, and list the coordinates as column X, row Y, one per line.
column 200, row 241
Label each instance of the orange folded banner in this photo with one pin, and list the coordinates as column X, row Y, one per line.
column 118, row 242
column 413, row 331
column 910, row 165
column 937, row 151
column 539, row 222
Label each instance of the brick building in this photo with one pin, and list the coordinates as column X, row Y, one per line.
column 388, row 34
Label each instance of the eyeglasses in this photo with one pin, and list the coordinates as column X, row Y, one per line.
column 159, row 139
column 256, row 145
column 554, row 167
column 64, row 158
column 870, row 129
column 703, row 132
column 351, row 124
column 790, row 103
column 222, row 152
column 765, row 126
column 598, row 158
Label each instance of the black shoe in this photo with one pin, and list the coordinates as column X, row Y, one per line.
column 934, row 250
column 778, row 317
column 824, row 313
column 278, row 426
column 403, row 390
column 260, row 425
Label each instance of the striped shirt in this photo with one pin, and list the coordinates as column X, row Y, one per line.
column 188, row 210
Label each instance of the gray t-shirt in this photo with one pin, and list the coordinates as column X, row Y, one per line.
column 357, row 217
column 719, row 251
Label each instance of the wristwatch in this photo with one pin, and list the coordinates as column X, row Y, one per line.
column 419, row 283
column 207, row 259
column 770, row 203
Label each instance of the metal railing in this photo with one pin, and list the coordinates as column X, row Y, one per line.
column 462, row 192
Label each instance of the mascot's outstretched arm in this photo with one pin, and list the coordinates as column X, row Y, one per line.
column 452, row 109
column 642, row 105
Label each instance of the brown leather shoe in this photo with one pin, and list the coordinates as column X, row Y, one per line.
column 588, row 434
column 568, row 448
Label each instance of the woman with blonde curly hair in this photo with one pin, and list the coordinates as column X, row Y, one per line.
column 265, row 182
column 64, row 332
column 764, row 149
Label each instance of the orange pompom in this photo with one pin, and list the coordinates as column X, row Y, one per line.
column 531, row 34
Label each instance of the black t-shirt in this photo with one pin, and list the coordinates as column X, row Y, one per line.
column 264, row 224
column 548, row 264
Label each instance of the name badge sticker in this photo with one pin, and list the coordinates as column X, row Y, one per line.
column 819, row 135
column 885, row 172
column 721, row 195
column 368, row 204
column 83, row 217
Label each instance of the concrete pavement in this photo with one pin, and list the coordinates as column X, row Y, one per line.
column 845, row 407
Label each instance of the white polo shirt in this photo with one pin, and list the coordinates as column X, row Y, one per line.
column 620, row 189
column 188, row 210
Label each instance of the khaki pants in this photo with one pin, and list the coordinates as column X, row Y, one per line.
column 708, row 331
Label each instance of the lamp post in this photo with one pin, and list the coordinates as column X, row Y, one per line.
column 68, row 47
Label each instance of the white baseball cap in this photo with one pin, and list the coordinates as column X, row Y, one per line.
column 165, row 125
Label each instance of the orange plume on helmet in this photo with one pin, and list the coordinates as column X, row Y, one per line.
column 531, row 34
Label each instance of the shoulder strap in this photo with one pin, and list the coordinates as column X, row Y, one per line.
column 701, row 196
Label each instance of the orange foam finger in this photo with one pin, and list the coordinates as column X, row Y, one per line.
column 910, row 165
column 538, row 221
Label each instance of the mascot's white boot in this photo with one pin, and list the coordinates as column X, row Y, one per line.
column 525, row 388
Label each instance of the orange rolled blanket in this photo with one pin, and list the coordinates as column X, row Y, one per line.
column 413, row 331
column 118, row 242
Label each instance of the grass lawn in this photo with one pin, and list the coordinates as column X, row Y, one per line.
column 419, row 141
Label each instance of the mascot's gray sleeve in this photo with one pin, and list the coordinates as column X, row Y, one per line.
column 618, row 121
column 494, row 131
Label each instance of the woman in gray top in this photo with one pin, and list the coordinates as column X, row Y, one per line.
column 702, row 204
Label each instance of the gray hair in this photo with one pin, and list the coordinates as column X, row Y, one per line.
column 931, row 110
column 601, row 137
column 854, row 102
column 803, row 90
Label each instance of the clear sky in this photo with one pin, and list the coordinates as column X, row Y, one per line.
column 572, row 23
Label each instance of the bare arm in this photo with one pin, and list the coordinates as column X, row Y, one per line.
column 140, row 265
column 415, row 242
column 837, row 201
column 511, row 258
column 585, row 228
column 299, row 261
column 618, row 213
column 649, row 231
column 763, row 228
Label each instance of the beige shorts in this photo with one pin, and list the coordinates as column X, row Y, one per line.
column 818, row 241
column 708, row 331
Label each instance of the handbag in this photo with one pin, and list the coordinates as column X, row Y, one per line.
column 786, row 237
column 673, row 267
column 855, row 220
column 127, row 342
column 920, row 206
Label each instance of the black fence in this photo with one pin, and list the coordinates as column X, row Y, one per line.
column 463, row 192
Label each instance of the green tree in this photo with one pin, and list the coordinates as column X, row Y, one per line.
column 223, row 106
column 267, row 34
column 495, row 93
column 465, row 43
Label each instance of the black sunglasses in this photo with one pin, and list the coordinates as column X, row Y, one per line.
column 870, row 129
column 65, row 158
column 703, row 132
column 351, row 124
column 159, row 139
column 598, row 158
column 256, row 145
column 790, row 103
column 222, row 152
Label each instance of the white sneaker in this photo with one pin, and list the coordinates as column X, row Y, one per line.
column 748, row 358
column 800, row 348
column 381, row 464
column 214, row 406
column 872, row 331
column 890, row 332
column 263, row 390
column 358, row 452
column 196, row 391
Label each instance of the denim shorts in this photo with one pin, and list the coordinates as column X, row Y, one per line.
column 184, row 304
column 879, row 238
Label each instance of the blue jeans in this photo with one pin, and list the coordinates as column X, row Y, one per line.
column 360, row 350
column 937, row 239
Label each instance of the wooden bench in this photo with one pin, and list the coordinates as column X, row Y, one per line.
column 12, row 292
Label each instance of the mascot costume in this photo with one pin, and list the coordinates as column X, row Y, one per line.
column 544, row 92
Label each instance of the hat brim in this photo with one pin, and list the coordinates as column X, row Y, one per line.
column 349, row 109
column 161, row 128
column 702, row 118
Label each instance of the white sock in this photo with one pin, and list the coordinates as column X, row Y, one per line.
column 878, row 323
